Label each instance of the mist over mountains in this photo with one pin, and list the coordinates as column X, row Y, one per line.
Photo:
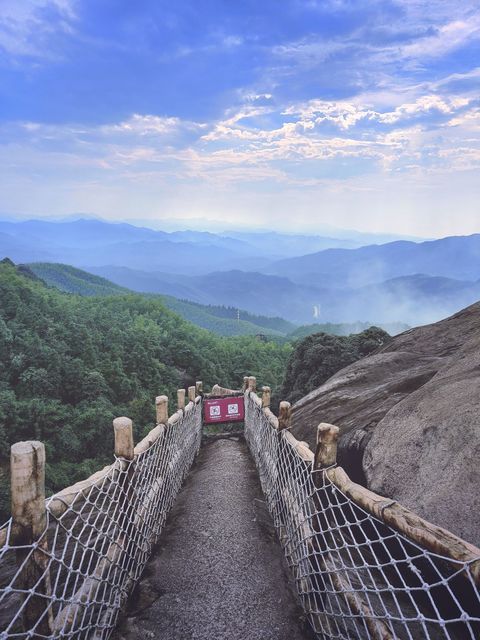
column 301, row 278
column 453, row 257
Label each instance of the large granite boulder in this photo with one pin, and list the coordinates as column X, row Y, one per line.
column 409, row 418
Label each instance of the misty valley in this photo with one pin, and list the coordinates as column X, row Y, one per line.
column 302, row 279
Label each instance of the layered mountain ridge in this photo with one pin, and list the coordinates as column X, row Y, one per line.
column 301, row 278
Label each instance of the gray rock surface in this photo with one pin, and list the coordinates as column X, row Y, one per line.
column 409, row 418
column 219, row 572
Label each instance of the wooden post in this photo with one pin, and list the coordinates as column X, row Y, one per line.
column 161, row 405
column 245, row 383
column 123, row 432
column 266, row 396
column 27, row 469
column 284, row 415
column 326, row 452
column 252, row 383
column 191, row 394
column 199, row 387
column 181, row 399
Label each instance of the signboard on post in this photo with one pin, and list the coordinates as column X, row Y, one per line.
column 223, row 410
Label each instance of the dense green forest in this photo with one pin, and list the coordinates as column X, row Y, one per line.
column 317, row 357
column 72, row 280
column 222, row 320
column 70, row 364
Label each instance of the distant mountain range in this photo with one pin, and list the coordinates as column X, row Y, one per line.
column 401, row 281
column 455, row 257
column 253, row 291
column 96, row 243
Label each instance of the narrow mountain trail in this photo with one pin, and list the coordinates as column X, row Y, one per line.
column 218, row 573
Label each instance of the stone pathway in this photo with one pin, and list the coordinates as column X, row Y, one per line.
column 218, row 573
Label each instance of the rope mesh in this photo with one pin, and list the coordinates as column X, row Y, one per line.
column 97, row 542
column 356, row 577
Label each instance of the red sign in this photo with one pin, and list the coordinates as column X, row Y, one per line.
column 223, row 410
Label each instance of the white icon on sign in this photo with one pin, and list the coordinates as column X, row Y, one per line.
column 232, row 409
column 214, row 411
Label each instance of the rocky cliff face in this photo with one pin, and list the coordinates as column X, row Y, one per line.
column 409, row 418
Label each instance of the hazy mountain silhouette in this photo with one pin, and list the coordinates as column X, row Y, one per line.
column 95, row 242
column 452, row 257
column 413, row 299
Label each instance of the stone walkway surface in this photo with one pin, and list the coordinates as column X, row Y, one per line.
column 218, row 572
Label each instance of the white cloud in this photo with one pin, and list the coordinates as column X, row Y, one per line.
column 25, row 29
column 144, row 125
column 424, row 104
column 262, row 143
column 448, row 37
column 470, row 120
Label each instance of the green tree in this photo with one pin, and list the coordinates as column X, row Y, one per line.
column 319, row 356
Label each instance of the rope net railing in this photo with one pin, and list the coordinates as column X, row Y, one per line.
column 72, row 580
column 363, row 566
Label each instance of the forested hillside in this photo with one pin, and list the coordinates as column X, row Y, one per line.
column 72, row 280
column 319, row 356
column 72, row 363
column 224, row 321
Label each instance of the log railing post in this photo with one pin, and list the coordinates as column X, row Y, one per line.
column 245, row 383
column 326, row 452
column 123, row 432
column 199, row 388
column 29, row 516
column 181, row 399
column 252, row 383
column 284, row 415
column 266, row 397
column 161, row 405
column 191, row 394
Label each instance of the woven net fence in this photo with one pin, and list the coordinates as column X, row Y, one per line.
column 356, row 576
column 99, row 536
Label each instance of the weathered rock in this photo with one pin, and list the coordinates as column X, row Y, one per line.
column 410, row 420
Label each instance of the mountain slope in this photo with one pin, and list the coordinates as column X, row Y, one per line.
column 257, row 293
column 225, row 321
column 72, row 280
column 453, row 257
column 408, row 418
column 413, row 300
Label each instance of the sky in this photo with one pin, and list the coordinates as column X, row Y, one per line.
column 285, row 114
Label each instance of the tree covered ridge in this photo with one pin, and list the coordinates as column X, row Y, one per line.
column 70, row 364
column 319, row 356
column 224, row 321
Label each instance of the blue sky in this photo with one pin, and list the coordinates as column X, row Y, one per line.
column 293, row 113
